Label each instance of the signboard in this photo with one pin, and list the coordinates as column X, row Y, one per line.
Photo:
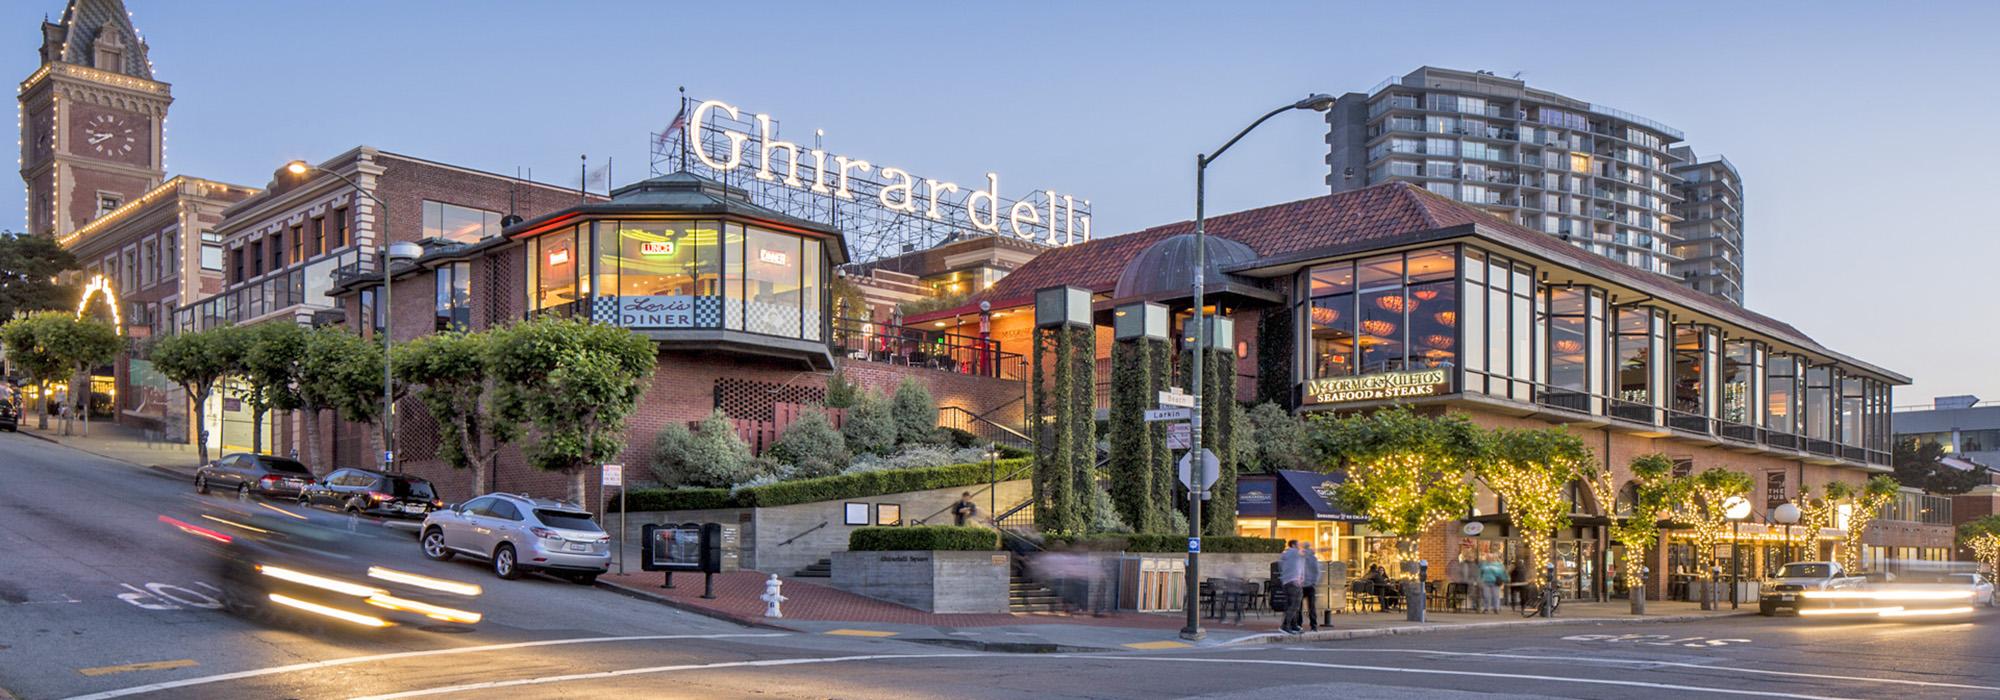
column 1211, row 469
column 1176, row 397
column 656, row 247
column 656, row 311
column 1160, row 414
column 614, row 475
column 684, row 547
column 1179, row 436
column 1380, row 386
column 1256, row 496
column 1472, row 529
column 1194, row 545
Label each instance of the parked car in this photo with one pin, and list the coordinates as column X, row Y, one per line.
column 1786, row 591
column 1982, row 588
column 10, row 409
column 517, row 533
column 246, row 473
column 369, row 492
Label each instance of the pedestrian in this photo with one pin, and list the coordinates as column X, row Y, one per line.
column 963, row 511
column 1311, row 587
column 1517, row 578
column 1491, row 577
column 1292, row 574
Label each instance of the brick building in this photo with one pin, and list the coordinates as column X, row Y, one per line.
column 1338, row 299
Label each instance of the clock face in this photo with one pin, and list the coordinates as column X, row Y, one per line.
column 111, row 136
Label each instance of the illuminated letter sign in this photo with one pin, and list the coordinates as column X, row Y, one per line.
column 774, row 257
column 1375, row 387
column 559, row 256
column 656, row 248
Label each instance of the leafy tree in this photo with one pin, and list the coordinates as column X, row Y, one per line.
column 1406, row 472
column 1700, row 501
column 841, row 393
column 575, row 382
column 871, row 425
column 1278, row 440
column 269, row 367
column 712, row 456
column 916, row 414
column 81, row 345
column 1982, row 536
column 1919, row 465
column 337, row 371
column 1529, row 470
column 451, row 373
column 29, row 267
column 1864, row 505
column 196, row 362
column 1636, row 523
column 32, row 355
column 811, row 446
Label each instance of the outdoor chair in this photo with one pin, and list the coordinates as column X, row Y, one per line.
column 1360, row 595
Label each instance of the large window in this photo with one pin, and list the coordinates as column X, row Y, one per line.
column 1382, row 314
column 1499, row 323
column 1853, row 404
column 1694, row 349
column 666, row 274
column 772, row 283
column 1819, row 402
column 456, row 223
column 1782, row 388
column 1739, row 370
column 1575, row 324
column 1637, row 356
column 556, row 262
column 454, row 297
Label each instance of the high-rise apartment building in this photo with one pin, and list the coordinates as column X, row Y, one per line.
column 1600, row 178
column 1709, row 235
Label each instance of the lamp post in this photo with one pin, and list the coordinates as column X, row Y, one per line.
column 1786, row 514
column 1736, row 508
column 1199, row 470
column 389, row 255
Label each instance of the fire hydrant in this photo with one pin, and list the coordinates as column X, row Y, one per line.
column 772, row 597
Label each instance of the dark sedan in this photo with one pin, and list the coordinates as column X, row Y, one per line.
column 245, row 474
column 369, row 492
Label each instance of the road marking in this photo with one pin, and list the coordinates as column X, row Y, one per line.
column 661, row 669
column 860, row 633
column 1161, row 644
column 1476, row 674
column 1656, row 640
column 142, row 666
column 1644, row 662
column 281, row 510
column 169, row 600
column 311, row 665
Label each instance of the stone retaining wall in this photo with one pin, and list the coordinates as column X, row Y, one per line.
column 932, row 581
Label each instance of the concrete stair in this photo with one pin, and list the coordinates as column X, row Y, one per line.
column 819, row 569
column 1025, row 595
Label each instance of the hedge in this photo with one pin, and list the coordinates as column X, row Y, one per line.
column 827, row 488
column 1175, row 544
column 923, row 537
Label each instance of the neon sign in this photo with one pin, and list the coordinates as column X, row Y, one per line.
column 774, row 257
column 559, row 256
column 100, row 285
column 981, row 208
column 1375, row 387
column 656, row 248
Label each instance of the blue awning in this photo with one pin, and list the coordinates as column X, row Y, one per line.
column 1291, row 495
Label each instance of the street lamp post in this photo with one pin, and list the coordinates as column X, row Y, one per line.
column 1786, row 514
column 1736, row 508
column 300, row 167
column 1198, row 470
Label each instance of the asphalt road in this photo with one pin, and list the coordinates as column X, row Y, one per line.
column 99, row 599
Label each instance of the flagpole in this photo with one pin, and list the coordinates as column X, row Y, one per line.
column 684, row 131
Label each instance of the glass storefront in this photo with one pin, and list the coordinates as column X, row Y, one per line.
column 1382, row 314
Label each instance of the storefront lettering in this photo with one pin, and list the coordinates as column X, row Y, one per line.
column 983, row 208
column 1374, row 387
column 656, row 248
column 675, row 311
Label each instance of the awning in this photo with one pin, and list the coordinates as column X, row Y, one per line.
column 1290, row 495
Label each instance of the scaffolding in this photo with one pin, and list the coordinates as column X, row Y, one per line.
column 872, row 229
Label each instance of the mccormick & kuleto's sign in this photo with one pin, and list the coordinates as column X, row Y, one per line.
column 1375, row 387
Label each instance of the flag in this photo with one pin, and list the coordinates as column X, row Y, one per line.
column 679, row 123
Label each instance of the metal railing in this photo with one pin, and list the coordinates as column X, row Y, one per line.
column 982, row 427
column 866, row 340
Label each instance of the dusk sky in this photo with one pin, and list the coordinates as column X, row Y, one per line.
column 1858, row 232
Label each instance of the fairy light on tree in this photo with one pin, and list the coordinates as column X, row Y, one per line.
column 1529, row 470
column 1862, row 506
column 1982, row 536
column 1699, row 501
column 1638, row 526
column 1406, row 473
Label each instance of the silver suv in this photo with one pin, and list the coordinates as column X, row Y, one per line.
column 518, row 533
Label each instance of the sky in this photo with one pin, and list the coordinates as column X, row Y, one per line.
column 1859, row 128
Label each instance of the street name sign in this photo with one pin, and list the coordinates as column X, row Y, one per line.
column 1160, row 414
column 1176, row 397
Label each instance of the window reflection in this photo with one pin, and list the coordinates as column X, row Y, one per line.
column 556, row 265
column 1382, row 314
column 1737, row 369
column 1782, row 386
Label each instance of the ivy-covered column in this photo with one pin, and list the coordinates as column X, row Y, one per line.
column 1274, row 356
column 1160, row 372
column 1065, row 361
column 1217, row 419
column 1134, row 382
column 1081, row 412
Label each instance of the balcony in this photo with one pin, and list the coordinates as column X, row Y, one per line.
column 1635, row 412
column 859, row 339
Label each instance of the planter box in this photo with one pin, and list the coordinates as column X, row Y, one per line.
column 931, row 581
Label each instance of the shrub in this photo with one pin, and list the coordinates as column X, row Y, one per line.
column 915, row 413
column 711, row 456
column 1175, row 544
column 1278, row 440
column 811, row 447
column 641, row 500
column 829, row 488
column 916, row 456
column 841, row 393
column 1105, row 518
column 923, row 537
column 871, row 426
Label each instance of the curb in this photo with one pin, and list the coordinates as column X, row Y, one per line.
column 161, row 468
column 1337, row 635
column 649, row 596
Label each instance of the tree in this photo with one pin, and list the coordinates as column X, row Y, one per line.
column 81, row 345
column 1699, row 500
column 575, row 382
column 871, row 426
column 451, row 374
column 28, row 349
column 1637, row 526
column 1863, row 506
column 916, row 414
column 841, row 393
column 811, row 446
column 337, row 371
column 196, row 362
column 1406, row 473
column 712, row 456
column 1919, row 465
column 1278, row 440
column 269, row 366
column 1529, row 470
column 29, row 268
column 1982, row 536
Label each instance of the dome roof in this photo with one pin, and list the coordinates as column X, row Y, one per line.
column 1165, row 270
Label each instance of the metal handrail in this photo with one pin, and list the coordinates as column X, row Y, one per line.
column 808, row 531
column 968, row 418
column 920, row 347
column 988, row 487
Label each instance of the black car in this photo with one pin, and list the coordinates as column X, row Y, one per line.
column 246, row 473
column 10, row 410
column 370, row 492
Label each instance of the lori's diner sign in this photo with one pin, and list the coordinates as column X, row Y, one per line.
column 1052, row 219
column 1375, row 387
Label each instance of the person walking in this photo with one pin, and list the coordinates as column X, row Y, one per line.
column 963, row 511
column 1311, row 587
column 1292, row 574
column 1491, row 577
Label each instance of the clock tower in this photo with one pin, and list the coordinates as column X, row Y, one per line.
column 92, row 119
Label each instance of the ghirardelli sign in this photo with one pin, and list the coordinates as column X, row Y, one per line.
column 1375, row 387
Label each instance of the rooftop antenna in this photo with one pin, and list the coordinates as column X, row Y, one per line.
column 582, row 177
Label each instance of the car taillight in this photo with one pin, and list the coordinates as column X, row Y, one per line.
column 268, row 479
column 606, row 538
column 545, row 533
column 378, row 495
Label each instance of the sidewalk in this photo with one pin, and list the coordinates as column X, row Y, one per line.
column 113, row 441
column 814, row 607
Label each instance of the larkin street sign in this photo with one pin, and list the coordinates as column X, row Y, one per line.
column 1375, row 387
column 1055, row 220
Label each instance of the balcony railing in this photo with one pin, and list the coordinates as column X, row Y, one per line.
column 1635, row 412
column 861, row 339
column 1690, row 422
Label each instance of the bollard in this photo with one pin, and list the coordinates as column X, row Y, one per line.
column 772, row 597
column 1413, row 601
column 1639, row 593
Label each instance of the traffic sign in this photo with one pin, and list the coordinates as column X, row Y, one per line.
column 1211, row 469
column 1194, row 545
column 1175, row 397
column 1160, row 414
column 614, row 475
column 1179, row 436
